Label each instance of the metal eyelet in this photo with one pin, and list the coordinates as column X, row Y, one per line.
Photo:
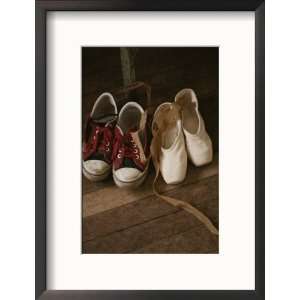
column 137, row 157
column 135, row 151
column 119, row 156
column 107, row 149
column 107, row 144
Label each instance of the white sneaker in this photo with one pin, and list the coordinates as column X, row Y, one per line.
column 131, row 148
column 198, row 143
column 170, row 147
column 98, row 138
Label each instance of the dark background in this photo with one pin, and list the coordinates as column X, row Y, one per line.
column 167, row 70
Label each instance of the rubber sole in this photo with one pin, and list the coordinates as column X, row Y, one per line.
column 95, row 178
column 131, row 184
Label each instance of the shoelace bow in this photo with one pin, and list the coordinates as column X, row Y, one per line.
column 100, row 139
column 155, row 148
column 124, row 146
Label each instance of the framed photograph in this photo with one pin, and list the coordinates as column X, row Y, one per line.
column 150, row 150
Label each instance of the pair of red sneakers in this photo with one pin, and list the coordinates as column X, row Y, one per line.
column 116, row 143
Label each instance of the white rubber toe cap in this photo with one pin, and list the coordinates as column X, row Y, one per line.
column 96, row 167
column 128, row 174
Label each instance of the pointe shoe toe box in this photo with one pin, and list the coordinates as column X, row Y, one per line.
column 199, row 149
column 173, row 162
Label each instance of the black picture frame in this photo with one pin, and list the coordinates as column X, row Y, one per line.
column 42, row 7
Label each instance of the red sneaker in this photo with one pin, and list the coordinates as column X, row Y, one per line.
column 98, row 138
column 131, row 150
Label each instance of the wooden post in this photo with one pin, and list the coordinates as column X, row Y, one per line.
column 127, row 62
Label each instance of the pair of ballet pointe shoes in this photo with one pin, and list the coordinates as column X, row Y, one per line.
column 179, row 134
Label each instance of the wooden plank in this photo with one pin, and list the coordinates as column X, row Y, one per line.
column 127, row 55
column 150, row 207
column 195, row 240
column 139, row 236
column 90, row 186
column 99, row 197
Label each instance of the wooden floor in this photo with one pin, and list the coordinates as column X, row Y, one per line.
column 136, row 221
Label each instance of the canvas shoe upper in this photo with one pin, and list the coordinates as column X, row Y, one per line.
column 98, row 138
column 198, row 142
column 131, row 149
column 170, row 150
